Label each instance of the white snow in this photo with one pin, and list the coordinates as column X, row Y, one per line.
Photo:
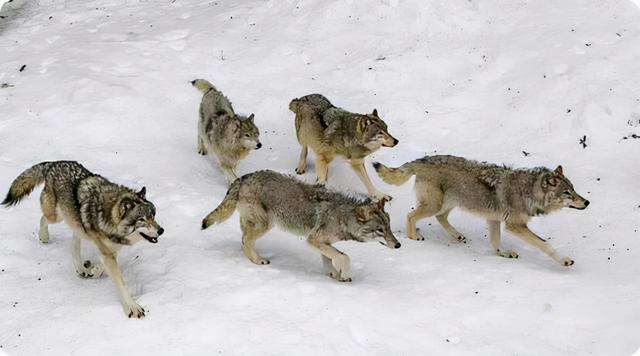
column 107, row 83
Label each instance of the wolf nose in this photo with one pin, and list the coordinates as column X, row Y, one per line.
column 397, row 245
column 586, row 203
column 395, row 141
column 160, row 231
column 258, row 145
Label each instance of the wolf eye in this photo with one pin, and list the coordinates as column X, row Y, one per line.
column 247, row 136
column 380, row 230
column 566, row 192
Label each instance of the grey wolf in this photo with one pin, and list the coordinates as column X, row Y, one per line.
column 107, row 214
column 331, row 131
column 221, row 132
column 497, row 193
column 265, row 197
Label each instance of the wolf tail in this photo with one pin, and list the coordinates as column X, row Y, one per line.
column 226, row 208
column 395, row 176
column 25, row 183
column 202, row 85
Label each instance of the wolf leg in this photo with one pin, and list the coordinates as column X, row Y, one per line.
column 302, row 161
column 444, row 221
column 251, row 231
column 522, row 231
column 43, row 233
column 328, row 267
column 84, row 269
column 421, row 211
column 361, row 172
column 201, row 148
column 494, row 236
column 322, row 168
column 339, row 268
column 49, row 215
column 229, row 172
column 130, row 307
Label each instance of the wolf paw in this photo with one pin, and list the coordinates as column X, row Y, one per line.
column 417, row 237
column 43, row 236
column 340, row 268
column 567, row 262
column 300, row 170
column 133, row 311
column 339, row 278
column 461, row 239
column 90, row 270
column 507, row 253
column 261, row 261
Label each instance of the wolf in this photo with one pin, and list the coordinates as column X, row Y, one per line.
column 331, row 131
column 107, row 214
column 497, row 193
column 324, row 216
column 221, row 132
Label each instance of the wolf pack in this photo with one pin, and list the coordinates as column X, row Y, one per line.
column 112, row 216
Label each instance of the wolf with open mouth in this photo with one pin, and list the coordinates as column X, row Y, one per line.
column 108, row 214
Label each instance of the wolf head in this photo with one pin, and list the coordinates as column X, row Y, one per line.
column 558, row 192
column 137, row 218
column 373, row 224
column 246, row 132
column 374, row 131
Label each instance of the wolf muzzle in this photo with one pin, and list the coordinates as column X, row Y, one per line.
column 393, row 143
column 152, row 239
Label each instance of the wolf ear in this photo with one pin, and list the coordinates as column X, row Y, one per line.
column 250, row 118
column 363, row 213
column 558, row 171
column 375, row 113
column 142, row 194
column 125, row 205
column 380, row 204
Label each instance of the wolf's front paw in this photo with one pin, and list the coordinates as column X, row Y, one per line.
column 340, row 270
column 417, row 237
column 43, row 235
column 300, row 170
column 566, row 261
column 133, row 310
column 507, row 253
column 461, row 239
column 339, row 278
column 90, row 270
column 262, row 261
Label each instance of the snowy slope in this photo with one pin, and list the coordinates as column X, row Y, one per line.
column 107, row 83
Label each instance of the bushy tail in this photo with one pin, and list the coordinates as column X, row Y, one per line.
column 202, row 85
column 226, row 208
column 25, row 183
column 293, row 105
column 395, row 176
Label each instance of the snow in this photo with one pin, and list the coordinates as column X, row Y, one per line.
column 107, row 83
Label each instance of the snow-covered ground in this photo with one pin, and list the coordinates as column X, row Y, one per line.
column 106, row 83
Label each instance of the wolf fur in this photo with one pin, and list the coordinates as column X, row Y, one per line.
column 330, row 131
column 95, row 209
column 497, row 193
column 221, row 132
column 324, row 216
